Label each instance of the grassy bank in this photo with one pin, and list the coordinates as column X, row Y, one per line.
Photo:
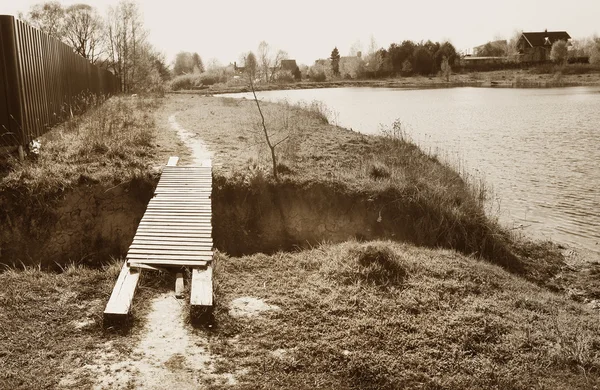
column 112, row 143
column 360, row 314
column 383, row 315
column 546, row 76
column 430, row 201
column 52, row 324
column 91, row 175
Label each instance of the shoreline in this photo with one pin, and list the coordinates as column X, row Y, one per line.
column 330, row 303
column 494, row 79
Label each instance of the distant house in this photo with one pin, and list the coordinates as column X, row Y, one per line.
column 348, row 65
column 289, row 65
column 491, row 49
column 238, row 69
column 536, row 46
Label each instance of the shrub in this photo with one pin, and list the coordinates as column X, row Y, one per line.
column 209, row 79
column 378, row 170
column 558, row 53
column 378, row 264
column 284, row 76
column 185, row 81
column 317, row 76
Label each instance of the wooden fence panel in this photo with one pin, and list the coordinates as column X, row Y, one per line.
column 42, row 82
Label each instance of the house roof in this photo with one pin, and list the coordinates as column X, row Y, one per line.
column 288, row 65
column 544, row 38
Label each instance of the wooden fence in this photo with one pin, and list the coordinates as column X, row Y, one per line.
column 41, row 82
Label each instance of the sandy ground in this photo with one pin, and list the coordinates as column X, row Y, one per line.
column 169, row 353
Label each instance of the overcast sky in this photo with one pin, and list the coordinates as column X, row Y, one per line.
column 309, row 29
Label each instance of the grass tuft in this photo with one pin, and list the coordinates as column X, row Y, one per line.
column 380, row 265
column 379, row 171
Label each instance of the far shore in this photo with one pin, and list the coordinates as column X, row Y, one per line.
column 494, row 79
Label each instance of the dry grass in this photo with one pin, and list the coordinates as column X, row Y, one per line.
column 439, row 320
column 52, row 322
column 112, row 143
column 440, row 207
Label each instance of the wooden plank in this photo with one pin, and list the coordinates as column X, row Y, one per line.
column 188, row 187
column 206, row 209
column 173, row 226
column 173, row 235
column 204, row 217
column 186, row 177
column 181, row 201
column 171, row 193
column 172, row 161
column 173, row 246
column 201, row 293
column 185, row 208
column 119, row 303
column 186, row 180
column 174, row 229
column 179, row 285
column 202, row 225
column 185, row 183
column 149, row 253
column 188, row 197
column 187, row 168
column 145, row 266
column 145, row 240
column 169, row 263
column 200, row 186
column 139, row 257
column 182, row 217
column 179, row 213
column 202, row 222
column 191, row 174
column 166, row 207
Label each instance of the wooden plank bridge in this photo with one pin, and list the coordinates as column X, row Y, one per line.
column 175, row 232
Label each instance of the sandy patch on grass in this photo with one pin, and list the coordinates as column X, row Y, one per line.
column 249, row 307
column 199, row 149
column 169, row 354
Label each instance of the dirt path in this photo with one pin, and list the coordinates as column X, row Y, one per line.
column 169, row 353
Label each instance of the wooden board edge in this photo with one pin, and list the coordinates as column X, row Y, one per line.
column 119, row 304
column 201, row 290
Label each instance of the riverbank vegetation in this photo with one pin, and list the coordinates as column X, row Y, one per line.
column 434, row 205
column 364, row 311
column 115, row 141
column 384, row 315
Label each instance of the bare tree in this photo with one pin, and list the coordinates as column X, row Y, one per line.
column 264, row 60
column 47, row 17
column 355, row 48
column 269, row 63
column 198, row 65
column 251, row 66
column 127, row 46
column 559, row 52
column 446, row 69
column 83, row 31
column 279, row 56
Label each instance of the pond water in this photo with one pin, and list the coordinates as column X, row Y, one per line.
column 537, row 149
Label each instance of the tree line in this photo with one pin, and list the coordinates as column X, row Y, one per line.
column 116, row 41
column 399, row 59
